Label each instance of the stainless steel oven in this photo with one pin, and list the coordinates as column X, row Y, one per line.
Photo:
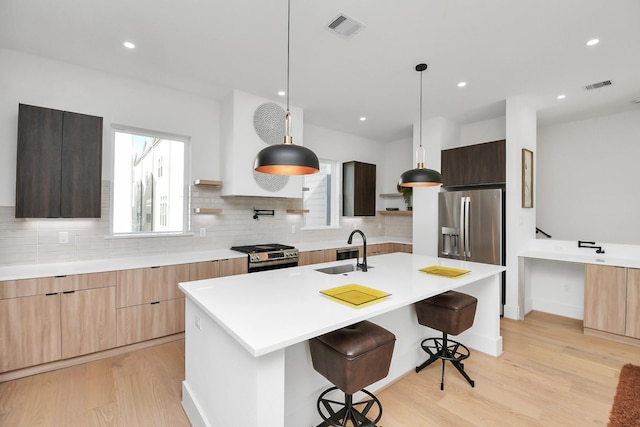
column 269, row 256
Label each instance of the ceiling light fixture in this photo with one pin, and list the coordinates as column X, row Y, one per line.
column 363, row 119
column 129, row 45
column 462, row 84
column 281, row 93
column 420, row 176
column 561, row 96
column 286, row 158
column 593, row 42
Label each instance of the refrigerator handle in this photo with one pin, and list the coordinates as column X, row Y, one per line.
column 463, row 235
column 467, row 237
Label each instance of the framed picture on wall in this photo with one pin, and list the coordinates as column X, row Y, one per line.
column 527, row 178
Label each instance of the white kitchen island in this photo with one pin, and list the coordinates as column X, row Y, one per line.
column 246, row 353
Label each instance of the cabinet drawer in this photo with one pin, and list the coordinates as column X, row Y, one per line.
column 49, row 285
column 204, row 270
column 148, row 321
column 145, row 285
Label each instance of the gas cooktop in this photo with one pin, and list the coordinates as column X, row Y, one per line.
column 268, row 247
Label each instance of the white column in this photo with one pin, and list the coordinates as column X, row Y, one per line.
column 437, row 133
column 521, row 124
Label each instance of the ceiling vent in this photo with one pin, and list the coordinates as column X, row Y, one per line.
column 345, row 26
column 598, row 85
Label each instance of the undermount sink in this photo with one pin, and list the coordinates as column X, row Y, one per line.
column 339, row 269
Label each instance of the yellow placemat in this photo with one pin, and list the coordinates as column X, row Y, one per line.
column 444, row 271
column 355, row 295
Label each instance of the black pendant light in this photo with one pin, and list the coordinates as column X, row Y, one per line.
column 286, row 158
column 420, row 176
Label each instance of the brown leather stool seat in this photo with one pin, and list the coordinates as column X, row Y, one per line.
column 451, row 313
column 352, row 358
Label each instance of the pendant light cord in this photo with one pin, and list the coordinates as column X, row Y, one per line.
column 421, row 109
column 288, row 47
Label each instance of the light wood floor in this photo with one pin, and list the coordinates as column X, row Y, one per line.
column 549, row 375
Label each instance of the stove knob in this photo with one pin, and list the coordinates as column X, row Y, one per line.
column 254, row 258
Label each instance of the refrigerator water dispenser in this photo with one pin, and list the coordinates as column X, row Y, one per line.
column 450, row 238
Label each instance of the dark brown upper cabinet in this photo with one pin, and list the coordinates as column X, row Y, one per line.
column 479, row 164
column 358, row 189
column 59, row 168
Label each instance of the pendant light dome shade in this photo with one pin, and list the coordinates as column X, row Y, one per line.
column 420, row 176
column 286, row 158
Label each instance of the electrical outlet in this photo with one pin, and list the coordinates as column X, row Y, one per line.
column 197, row 322
column 566, row 287
column 203, row 232
column 63, row 237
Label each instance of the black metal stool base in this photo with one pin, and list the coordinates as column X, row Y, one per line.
column 445, row 349
column 347, row 413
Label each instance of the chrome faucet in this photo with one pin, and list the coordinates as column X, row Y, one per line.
column 362, row 266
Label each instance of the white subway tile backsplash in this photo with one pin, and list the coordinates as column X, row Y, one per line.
column 33, row 241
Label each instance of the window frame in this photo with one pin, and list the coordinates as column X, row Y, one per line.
column 186, row 140
column 336, row 181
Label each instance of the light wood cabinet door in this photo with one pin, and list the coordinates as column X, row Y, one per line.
column 87, row 321
column 402, row 247
column 633, row 302
column 233, row 266
column 329, row 255
column 29, row 331
column 148, row 321
column 204, row 270
column 146, row 285
column 311, row 257
column 605, row 298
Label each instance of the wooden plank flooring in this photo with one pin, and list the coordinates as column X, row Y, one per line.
column 549, row 375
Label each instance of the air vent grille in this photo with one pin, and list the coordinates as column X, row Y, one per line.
column 345, row 26
column 598, row 85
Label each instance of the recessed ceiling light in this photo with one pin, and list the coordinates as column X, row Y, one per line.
column 362, row 119
column 562, row 96
column 282, row 93
column 593, row 42
column 462, row 84
column 129, row 45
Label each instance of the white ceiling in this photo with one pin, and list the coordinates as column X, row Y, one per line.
column 501, row 48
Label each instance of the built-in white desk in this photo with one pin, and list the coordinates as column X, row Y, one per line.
column 247, row 358
column 530, row 274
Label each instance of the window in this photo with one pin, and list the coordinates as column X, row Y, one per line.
column 321, row 196
column 148, row 182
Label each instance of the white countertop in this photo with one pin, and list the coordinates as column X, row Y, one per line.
column 274, row 309
column 568, row 251
column 33, row 271
column 357, row 241
column 16, row 272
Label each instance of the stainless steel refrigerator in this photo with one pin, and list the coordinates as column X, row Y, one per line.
column 471, row 227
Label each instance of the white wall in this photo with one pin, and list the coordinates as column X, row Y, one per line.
column 37, row 81
column 484, row 131
column 587, row 179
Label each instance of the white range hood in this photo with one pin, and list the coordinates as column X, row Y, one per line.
column 246, row 122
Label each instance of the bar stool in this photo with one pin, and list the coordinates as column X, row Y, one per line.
column 452, row 313
column 352, row 358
